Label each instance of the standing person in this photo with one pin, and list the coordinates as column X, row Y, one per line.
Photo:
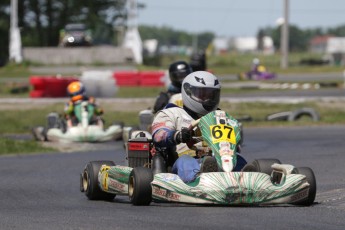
column 177, row 72
column 171, row 128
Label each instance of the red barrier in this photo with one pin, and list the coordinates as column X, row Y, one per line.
column 37, row 93
column 50, row 86
column 37, row 82
column 126, row 78
column 142, row 78
column 56, row 87
column 152, row 78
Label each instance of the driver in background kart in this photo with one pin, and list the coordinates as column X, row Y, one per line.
column 177, row 72
column 171, row 131
column 77, row 93
column 257, row 67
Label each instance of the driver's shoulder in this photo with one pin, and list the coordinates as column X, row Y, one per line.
column 171, row 110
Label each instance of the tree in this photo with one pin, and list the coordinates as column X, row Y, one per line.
column 298, row 39
column 337, row 31
column 4, row 31
column 260, row 37
column 170, row 37
column 42, row 20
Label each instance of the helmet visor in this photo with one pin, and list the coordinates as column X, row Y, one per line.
column 208, row 97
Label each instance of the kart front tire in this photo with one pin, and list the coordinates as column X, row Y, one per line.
column 89, row 181
column 308, row 172
column 264, row 165
column 139, row 187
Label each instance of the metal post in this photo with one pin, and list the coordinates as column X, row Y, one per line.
column 284, row 36
column 15, row 49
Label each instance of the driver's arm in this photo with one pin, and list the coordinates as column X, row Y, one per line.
column 69, row 108
column 163, row 130
column 165, row 133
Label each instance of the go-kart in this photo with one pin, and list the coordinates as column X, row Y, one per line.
column 86, row 127
column 262, row 182
column 259, row 74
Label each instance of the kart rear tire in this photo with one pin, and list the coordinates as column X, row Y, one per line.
column 139, row 187
column 308, row 172
column 89, row 181
column 264, row 165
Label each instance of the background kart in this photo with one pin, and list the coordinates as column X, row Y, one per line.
column 86, row 127
column 260, row 74
column 262, row 182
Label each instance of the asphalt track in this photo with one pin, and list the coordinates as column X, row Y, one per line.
column 42, row 191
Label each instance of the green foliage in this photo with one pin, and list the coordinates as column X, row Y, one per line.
column 170, row 37
column 338, row 31
column 41, row 23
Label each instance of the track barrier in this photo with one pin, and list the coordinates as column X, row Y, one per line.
column 49, row 86
column 97, row 83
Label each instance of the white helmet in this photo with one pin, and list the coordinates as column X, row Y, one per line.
column 201, row 92
column 256, row 61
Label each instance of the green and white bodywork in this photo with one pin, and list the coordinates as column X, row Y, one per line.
column 221, row 133
column 232, row 188
column 84, row 131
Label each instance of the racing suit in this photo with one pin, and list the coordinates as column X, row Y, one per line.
column 165, row 127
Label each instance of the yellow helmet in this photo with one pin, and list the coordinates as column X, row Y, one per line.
column 76, row 91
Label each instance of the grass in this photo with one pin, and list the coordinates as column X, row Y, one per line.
column 139, row 92
column 9, row 146
column 15, row 71
column 21, row 121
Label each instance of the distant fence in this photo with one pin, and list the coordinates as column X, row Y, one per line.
column 78, row 55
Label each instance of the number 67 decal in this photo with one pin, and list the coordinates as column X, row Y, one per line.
column 221, row 133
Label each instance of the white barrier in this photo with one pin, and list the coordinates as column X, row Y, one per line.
column 99, row 83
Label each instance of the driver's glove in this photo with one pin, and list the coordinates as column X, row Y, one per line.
column 184, row 136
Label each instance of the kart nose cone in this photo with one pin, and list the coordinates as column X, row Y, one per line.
column 227, row 164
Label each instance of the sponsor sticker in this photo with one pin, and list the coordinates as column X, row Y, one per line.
column 118, row 186
column 167, row 194
column 138, row 146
